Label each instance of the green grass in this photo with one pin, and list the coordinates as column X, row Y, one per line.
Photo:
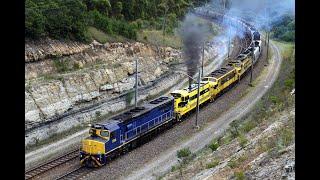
column 98, row 35
column 182, row 153
column 239, row 175
column 242, row 140
column 102, row 37
column 235, row 162
column 247, row 126
column 155, row 37
column 213, row 145
column 286, row 48
column 232, row 163
column 61, row 65
column 212, row 164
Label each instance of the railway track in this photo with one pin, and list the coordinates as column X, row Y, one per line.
column 76, row 174
column 82, row 171
column 51, row 164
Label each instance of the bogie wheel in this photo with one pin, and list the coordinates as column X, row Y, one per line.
column 211, row 99
column 178, row 117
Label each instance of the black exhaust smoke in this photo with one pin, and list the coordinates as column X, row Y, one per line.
column 193, row 32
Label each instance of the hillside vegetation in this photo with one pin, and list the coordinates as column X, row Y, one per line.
column 284, row 29
column 71, row 19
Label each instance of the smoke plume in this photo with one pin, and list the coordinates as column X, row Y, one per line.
column 261, row 13
column 193, row 33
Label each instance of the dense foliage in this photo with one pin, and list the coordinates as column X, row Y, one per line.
column 284, row 29
column 70, row 19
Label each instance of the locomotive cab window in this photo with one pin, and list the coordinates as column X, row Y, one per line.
column 176, row 95
column 182, row 104
column 113, row 135
column 185, row 98
column 205, row 79
column 104, row 134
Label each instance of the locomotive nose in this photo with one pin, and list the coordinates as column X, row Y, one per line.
column 92, row 153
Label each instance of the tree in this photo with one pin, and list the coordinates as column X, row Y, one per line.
column 103, row 6
column 118, row 10
column 34, row 21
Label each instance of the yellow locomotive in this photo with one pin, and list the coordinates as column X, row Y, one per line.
column 185, row 100
column 213, row 85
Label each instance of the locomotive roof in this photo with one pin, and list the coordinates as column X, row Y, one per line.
column 220, row 72
column 134, row 112
column 186, row 90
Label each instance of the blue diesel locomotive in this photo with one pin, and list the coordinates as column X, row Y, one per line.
column 123, row 132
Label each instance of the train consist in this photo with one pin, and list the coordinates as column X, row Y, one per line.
column 131, row 128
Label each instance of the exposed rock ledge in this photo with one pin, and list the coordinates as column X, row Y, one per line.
column 38, row 50
column 103, row 71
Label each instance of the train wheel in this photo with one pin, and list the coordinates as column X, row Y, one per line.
column 178, row 117
column 211, row 99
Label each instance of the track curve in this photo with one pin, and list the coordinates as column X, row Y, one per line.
column 151, row 169
column 168, row 158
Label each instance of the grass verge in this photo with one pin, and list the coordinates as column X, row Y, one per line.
column 155, row 37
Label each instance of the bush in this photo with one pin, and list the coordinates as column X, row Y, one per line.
column 234, row 128
column 61, row 65
column 113, row 26
column 232, row 163
column 289, row 83
column 173, row 168
column 182, row 153
column 214, row 145
column 274, row 99
column 247, row 126
column 284, row 29
column 286, row 136
column 212, row 164
column 242, row 140
column 70, row 19
column 129, row 97
column 98, row 114
column 239, row 175
column 34, row 21
column 57, row 19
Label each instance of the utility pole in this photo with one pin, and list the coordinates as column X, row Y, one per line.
column 198, row 96
column 265, row 40
column 229, row 45
column 136, row 86
column 268, row 33
column 224, row 5
column 268, row 45
column 164, row 19
column 252, row 60
column 202, row 58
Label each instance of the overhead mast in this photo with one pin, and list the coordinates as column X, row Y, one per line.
column 198, row 95
column 136, row 86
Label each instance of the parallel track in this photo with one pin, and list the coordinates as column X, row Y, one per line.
column 76, row 174
column 51, row 164
column 82, row 171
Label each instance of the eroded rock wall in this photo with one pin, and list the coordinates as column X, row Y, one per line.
column 102, row 70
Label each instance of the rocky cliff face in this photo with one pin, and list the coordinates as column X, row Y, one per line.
column 63, row 75
column 39, row 50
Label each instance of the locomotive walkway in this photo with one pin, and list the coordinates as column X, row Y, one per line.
column 168, row 158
